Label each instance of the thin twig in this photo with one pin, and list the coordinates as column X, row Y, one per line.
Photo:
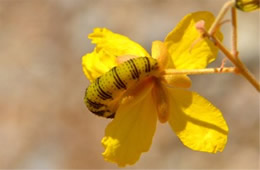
column 242, row 69
column 234, row 32
column 233, row 55
column 219, row 18
column 200, row 71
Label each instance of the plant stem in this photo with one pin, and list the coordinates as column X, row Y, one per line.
column 241, row 68
column 233, row 55
column 234, row 32
column 220, row 16
column 200, row 71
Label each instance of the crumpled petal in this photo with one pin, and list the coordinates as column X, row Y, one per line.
column 198, row 124
column 184, row 45
column 116, row 44
column 97, row 63
column 109, row 45
column 132, row 130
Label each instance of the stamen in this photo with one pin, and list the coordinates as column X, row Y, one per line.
column 161, row 101
column 160, row 52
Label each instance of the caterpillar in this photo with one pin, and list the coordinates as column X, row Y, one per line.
column 102, row 94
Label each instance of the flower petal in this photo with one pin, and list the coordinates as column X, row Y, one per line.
column 109, row 45
column 199, row 125
column 178, row 81
column 132, row 130
column 97, row 63
column 183, row 45
column 116, row 44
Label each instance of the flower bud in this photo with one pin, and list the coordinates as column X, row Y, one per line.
column 247, row 5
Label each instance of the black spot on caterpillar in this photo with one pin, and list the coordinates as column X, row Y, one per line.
column 101, row 93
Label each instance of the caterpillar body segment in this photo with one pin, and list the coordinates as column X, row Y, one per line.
column 101, row 96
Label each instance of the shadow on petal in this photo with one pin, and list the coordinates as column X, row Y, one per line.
column 198, row 124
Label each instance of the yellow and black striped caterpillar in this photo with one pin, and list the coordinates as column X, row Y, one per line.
column 100, row 94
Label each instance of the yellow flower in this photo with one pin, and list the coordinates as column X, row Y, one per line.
column 248, row 5
column 198, row 124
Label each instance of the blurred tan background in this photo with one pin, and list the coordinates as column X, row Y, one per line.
column 44, row 122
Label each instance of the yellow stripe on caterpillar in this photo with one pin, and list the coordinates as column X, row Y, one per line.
column 102, row 94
